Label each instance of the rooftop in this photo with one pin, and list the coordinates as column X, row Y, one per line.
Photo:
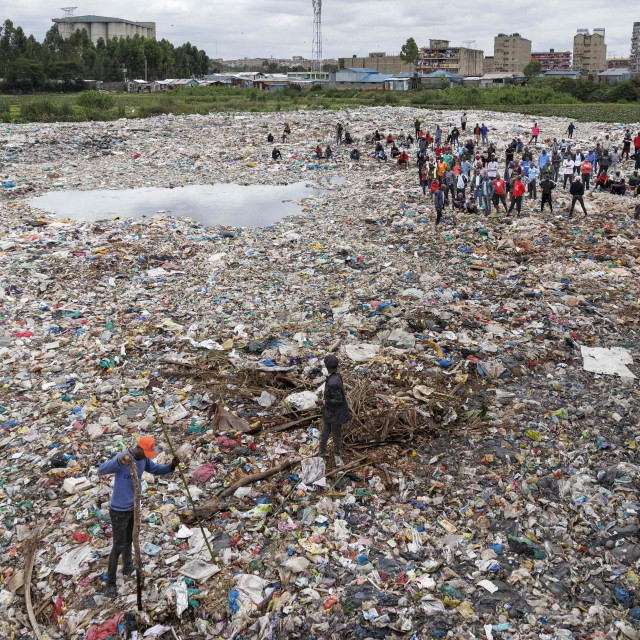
column 441, row 73
column 620, row 71
column 360, row 69
column 76, row 19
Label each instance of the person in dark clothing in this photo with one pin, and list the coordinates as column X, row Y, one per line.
column 276, row 154
column 577, row 192
column 570, row 130
column 328, row 153
column 470, row 205
column 335, row 410
column 439, row 201
column 270, row 138
column 395, row 152
column 547, row 186
column 455, row 136
column 122, row 498
column 355, row 154
column 416, row 125
column 605, row 163
column 347, row 138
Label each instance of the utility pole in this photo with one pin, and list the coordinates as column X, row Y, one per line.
column 145, row 69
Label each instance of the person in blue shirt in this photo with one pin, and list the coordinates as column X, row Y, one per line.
column 532, row 185
column 525, row 164
column 466, row 167
column 122, row 498
column 484, row 131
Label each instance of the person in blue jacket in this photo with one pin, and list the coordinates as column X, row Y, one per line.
column 122, row 498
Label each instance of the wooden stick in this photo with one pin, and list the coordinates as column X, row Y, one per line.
column 30, row 547
column 210, row 508
column 255, row 477
column 136, row 526
column 294, row 423
column 182, row 476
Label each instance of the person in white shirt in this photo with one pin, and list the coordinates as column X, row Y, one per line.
column 492, row 169
column 567, row 171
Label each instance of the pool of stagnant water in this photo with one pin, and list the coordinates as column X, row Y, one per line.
column 226, row 204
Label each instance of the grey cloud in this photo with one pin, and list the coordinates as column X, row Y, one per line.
column 282, row 28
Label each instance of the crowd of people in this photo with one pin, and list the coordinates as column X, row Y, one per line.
column 469, row 174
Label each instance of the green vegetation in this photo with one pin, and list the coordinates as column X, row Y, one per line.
column 409, row 52
column 58, row 64
column 533, row 100
column 96, row 100
column 533, row 68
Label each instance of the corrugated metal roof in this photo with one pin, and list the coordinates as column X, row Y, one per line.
column 359, row 70
column 375, row 77
column 622, row 71
column 75, row 19
column 441, row 73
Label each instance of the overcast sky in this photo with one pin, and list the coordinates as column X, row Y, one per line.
column 283, row 28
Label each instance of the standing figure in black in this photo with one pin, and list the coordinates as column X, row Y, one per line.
column 335, row 410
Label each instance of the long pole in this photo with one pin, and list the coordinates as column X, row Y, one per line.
column 184, row 480
column 136, row 526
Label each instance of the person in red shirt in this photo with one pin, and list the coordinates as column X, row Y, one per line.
column 389, row 139
column 585, row 172
column 403, row 160
column 499, row 193
column 636, row 142
column 516, row 195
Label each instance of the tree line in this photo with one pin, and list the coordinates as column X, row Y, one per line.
column 57, row 64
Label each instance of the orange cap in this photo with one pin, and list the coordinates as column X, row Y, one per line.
column 148, row 445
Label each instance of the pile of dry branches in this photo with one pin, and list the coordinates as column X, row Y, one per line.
column 375, row 421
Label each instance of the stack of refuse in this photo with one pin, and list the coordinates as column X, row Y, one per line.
column 490, row 486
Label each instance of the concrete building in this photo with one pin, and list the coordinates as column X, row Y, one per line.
column 619, row 63
column 440, row 56
column 589, row 51
column 378, row 61
column 511, row 53
column 488, row 65
column 105, row 28
column 553, row 60
column 635, row 48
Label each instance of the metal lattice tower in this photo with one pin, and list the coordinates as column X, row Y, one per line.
column 67, row 25
column 316, row 46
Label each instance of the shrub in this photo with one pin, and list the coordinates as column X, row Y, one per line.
column 45, row 110
column 150, row 110
column 4, row 107
column 96, row 100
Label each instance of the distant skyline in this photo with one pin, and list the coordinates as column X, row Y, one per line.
column 283, row 28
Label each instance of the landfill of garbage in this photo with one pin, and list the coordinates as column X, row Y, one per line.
column 490, row 479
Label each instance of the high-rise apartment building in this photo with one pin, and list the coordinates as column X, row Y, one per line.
column 553, row 60
column 635, row 48
column 589, row 51
column 510, row 53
